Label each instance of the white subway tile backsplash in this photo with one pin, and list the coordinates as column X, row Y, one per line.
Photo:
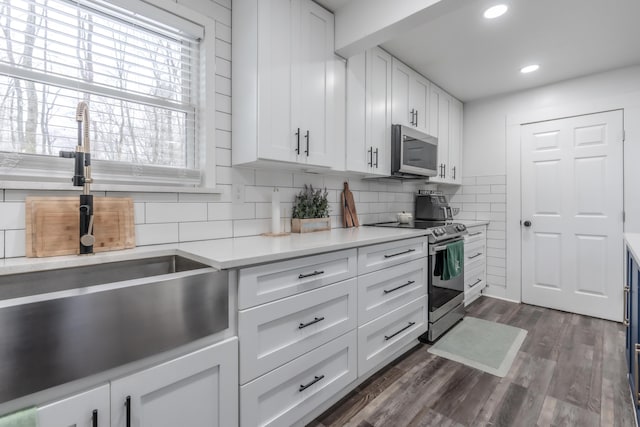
column 313, row 179
column 496, row 262
column 223, row 104
column 175, row 212
column 223, row 87
column 498, row 189
column 223, row 139
column 497, row 225
column 223, row 122
column 200, row 197
column 252, row 227
column 491, row 198
column 224, row 175
column 272, row 178
column 476, row 189
column 14, row 243
column 154, row 234
column 191, row 231
column 469, row 180
column 244, row 210
column 223, row 68
column 498, row 207
column 496, row 280
column 463, row 198
column 368, row 196
column 496, row 253
column 12, row 216
column 219, row 211
column 223, row 32
column 491, row 179
column 138, row 213
column 146, row 197
column 491, row 216
column 223, row 50
column 223, row 157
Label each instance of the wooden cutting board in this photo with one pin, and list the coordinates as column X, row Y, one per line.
column 52, row 225
column 349, row 206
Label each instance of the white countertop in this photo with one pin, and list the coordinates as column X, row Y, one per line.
column 228, row 253
column 632, row 241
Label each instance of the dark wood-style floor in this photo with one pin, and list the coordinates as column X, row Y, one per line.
column 570, row 371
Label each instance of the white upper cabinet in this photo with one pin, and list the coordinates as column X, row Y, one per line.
column 446, row 125
column 410, row 97
column 369, row 113
column 283, row 77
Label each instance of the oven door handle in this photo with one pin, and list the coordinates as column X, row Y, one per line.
column 433, row 250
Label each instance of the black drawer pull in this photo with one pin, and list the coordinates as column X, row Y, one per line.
column 315, row 273
column 476, row 282
column 127, row 405
column 94, row 418
column 399, row 287
column 400, row 253
column 315, row 320
column 387, row 338
column 315, row 380
column 475, row 256
column 475, row 234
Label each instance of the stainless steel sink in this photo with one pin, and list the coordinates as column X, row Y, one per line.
column 62, row 325
column 49, row 281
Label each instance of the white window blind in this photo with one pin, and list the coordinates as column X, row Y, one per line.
column 136, row 66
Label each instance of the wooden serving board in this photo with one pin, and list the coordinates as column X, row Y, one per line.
column 52, row 225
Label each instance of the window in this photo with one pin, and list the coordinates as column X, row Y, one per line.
column 138, row 68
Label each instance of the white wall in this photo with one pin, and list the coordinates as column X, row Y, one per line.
column 484, row 151
column 485, row 137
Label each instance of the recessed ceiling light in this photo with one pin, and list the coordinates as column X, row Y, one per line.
column 529, row 68
column 495, row 11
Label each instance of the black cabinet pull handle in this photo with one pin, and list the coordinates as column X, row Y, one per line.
column 388, row 337
column 314, row 321
column 412, row 112
column 315, row 273
column 399, row 287
column 298, row 138
column 475, row 283
column 453, row 170
column 94, row 418
column 441, row 173
column 370, row 151
column 444, row 170
column 475, row 256
column 127, row 405
column 376, row 158
column 307, row 150
column 315, row 380
column 477, row 233
column 400, row 253
column 416, row 118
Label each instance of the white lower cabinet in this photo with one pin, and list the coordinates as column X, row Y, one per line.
column 385, row 290
column 288, row 393
column 383, row 337
column 87, row 409
column 275, row 333
column 197, row 389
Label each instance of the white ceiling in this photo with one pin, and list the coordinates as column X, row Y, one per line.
column 472, row 57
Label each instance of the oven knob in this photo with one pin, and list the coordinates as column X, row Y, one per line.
column 460, row 227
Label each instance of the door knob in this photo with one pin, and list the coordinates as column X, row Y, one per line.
column 526, row 223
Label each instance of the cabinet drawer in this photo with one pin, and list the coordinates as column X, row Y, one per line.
column 475, row 254
column 275, row 333
column 377, row 257
column 385, row 290
column 285, row 395
column 77, row 410
column 474, row 279
column 475, row 234
column 269, row 282
column 382, row 337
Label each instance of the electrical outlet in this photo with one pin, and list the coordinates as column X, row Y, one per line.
column 237, row 191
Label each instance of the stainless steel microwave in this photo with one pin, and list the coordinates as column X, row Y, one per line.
column 414, row 154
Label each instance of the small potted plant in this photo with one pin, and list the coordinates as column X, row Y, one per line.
column 310, row 211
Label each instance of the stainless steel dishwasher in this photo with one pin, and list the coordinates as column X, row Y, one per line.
column 58, row 326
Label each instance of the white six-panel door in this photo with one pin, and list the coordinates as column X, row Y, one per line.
column 572, row 194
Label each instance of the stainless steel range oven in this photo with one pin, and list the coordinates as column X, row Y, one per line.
column 446, row 297
column 445, row 292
